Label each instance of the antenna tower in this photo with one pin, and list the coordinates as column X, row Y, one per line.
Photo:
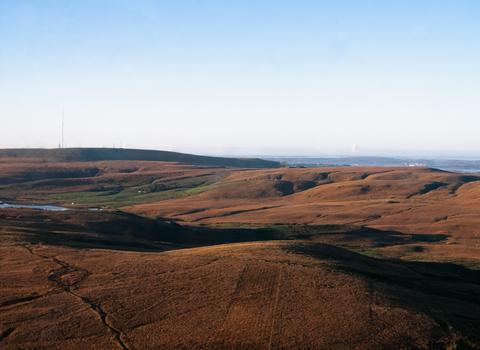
column 63, row 145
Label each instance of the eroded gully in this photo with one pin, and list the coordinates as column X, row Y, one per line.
column 65, row 282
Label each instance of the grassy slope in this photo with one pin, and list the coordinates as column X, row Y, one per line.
column 110, row 177
column 120, row 197
column 409, row 200
column 112, row 189
column 325, row 294
column 285, row 287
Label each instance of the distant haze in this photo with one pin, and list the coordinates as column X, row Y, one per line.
column 246, row 78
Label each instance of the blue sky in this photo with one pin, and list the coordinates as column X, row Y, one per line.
column 249, row 77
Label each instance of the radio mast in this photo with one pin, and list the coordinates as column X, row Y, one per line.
column 63, row 145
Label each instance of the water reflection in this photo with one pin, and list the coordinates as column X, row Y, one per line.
column 43, row 207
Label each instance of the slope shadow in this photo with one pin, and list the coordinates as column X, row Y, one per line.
column 448, row 293
column 358, row 236
column 126, row 231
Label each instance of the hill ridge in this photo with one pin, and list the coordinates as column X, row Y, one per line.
column 98, row 154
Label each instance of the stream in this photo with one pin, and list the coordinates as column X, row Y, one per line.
column 42, row 207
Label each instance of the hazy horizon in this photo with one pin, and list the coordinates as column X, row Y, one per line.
column 298, row 153
column 309, row 78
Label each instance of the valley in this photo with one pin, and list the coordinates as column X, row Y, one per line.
column 216, row 255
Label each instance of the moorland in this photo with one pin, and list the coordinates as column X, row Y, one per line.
column 215, row 253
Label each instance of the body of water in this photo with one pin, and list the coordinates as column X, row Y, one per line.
column 43, row 207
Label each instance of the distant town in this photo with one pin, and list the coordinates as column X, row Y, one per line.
column 454, row 165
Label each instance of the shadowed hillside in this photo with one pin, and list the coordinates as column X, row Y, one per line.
column 158, row 285
column 96, row 154
column 367, row 258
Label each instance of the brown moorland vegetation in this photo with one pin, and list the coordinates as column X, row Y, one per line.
column 212, row 257
column 408, row 200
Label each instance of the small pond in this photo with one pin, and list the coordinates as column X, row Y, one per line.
column 43, row 207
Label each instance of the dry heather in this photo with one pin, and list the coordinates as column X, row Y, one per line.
column 407, row 200
column 230, row 298
column 223, row 258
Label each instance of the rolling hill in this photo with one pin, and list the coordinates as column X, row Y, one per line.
column 208, row 256
column 97, row 154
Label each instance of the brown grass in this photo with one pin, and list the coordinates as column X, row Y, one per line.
column 393, row 273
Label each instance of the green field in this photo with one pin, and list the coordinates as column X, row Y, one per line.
column 117, row 197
